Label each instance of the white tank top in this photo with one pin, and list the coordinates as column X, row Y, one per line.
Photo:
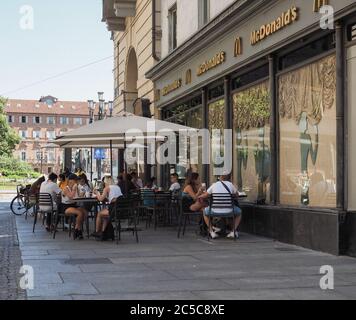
column 115, row 192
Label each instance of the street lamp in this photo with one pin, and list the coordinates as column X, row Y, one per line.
column 101, row 104
column 91, row 107
column 111, row 107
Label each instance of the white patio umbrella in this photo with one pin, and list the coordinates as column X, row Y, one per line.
column 116, row 132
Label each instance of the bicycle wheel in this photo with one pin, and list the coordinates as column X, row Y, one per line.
column 18, row 206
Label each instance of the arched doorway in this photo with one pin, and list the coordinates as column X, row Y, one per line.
column 131, row 77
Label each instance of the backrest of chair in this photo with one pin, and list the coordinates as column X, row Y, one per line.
column 45, row 200
column 163, row 198
column 221, row 201
column 123, row 207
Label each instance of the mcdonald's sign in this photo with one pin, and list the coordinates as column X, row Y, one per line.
column 319, row 3
column 238, row 47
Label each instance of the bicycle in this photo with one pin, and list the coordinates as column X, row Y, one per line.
column 21, row 203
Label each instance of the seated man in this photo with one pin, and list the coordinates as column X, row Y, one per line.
column 50, row 187
column 175, row 186
column 222, row 186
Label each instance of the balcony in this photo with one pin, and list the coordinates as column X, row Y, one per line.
column 115, row 13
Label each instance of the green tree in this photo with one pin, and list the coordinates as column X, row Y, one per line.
column 8, row 137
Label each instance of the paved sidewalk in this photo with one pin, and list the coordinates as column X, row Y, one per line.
column 10, row 256
column 164, row 267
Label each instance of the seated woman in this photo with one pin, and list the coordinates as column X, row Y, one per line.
column 192, row 190
column 85, row 190
column 111, row 192
column 70, row 208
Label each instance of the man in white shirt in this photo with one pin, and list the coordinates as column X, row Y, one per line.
column 175, row 186
column 50, row 186
column 222, row 186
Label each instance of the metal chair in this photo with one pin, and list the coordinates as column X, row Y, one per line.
column 45, row 207
column 221, row 201
column 162, row 207
column 185, row 214
column 124, row 210
column 146, row 207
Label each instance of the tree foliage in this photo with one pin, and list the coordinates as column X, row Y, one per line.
column 8, row 137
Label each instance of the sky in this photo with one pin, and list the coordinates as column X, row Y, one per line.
column 62, row 36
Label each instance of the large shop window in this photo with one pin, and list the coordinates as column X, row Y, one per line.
column 307, row 106
column 252, row 155
column 216, row 128
column 188, row 114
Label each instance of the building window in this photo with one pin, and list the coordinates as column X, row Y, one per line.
column 64, row 120
column 36, row 134
column 51, row 120
column 77, row 121
column 252, row 154
column 51, row 156
column 10, row 119
column 203, row 12
column 23, row 155
column 172, row 27
column 351, row 32
column 38, row 155
column 23, row 134
column 23, row 119
column 307, row 108
column 51, row 135
column 37, row 120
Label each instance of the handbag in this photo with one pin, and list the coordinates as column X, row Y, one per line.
column 234, row 199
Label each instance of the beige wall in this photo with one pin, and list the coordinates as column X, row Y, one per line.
column 137, row 37
column 351, row 66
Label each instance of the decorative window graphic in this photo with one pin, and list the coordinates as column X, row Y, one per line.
column 252, row 155
column 307, row 106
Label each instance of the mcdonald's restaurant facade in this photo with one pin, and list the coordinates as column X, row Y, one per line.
column 286, row 87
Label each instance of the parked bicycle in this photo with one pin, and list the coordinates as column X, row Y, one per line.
column 22, row 203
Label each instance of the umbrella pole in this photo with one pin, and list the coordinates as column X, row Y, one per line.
column 111, row 168
column 91, row 164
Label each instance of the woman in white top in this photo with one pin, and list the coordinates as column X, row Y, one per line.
column 111, row 192
column 70, row 207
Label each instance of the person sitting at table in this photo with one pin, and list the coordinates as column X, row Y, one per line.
column 62, row 181
column 50, row 187
column 70, row 208
column 110, row 193
column 84, row 191
column 222, row 186
column 151, row 184
column 84, row 186
column 136, row 180
column 125, row 181
column 175, row 186
column 192, row 190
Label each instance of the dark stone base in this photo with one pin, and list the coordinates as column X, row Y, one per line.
column 350, row 234
column 314, row 229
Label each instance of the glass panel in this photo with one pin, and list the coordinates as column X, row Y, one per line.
column 250, row 77
column 307, row 103
column 252, row 154
column 216, row 121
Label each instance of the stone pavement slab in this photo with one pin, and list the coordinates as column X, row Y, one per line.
column 164, row 267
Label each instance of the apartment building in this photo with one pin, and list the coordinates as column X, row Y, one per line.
column 38, row 122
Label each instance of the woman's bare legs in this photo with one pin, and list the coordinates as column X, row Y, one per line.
column 101, row 220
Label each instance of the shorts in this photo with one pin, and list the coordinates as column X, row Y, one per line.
column 237, row 212
column 65, row 206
